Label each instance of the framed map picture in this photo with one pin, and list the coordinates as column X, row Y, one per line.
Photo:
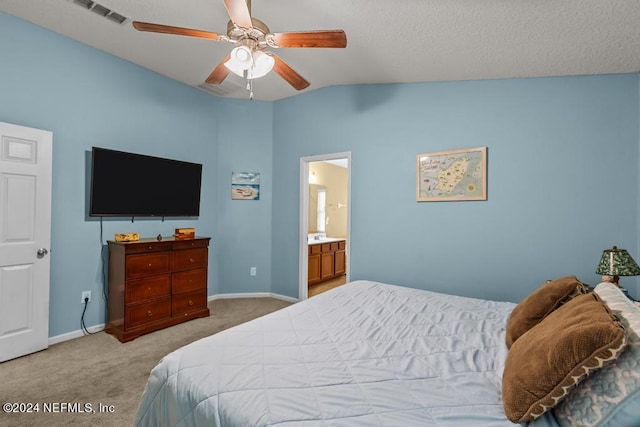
column 452, row 175
column 245, row 185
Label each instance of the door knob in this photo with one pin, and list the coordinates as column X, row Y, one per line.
column 42, row 252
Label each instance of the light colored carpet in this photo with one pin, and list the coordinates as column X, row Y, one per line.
column 100, row 370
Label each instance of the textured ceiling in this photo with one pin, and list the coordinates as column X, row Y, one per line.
column 388, row 41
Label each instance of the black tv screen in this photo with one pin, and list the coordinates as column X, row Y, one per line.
column 128, row 184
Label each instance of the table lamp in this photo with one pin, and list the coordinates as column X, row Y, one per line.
column 615, row 263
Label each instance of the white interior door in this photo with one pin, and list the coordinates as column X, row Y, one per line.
column 25, row 237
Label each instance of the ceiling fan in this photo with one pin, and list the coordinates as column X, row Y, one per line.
column 250, row 58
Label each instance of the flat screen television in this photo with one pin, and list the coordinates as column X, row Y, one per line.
column 128, row 184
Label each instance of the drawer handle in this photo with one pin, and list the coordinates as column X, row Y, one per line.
column 149, row 313
column 190, row 303
column 191, row 260
column 150, row 247
column 149, row 264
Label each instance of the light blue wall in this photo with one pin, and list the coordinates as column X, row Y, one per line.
column 562, row 180
column 244, row 232
column 87, row 97
column 563, row 171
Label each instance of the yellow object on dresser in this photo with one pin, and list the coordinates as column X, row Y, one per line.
column 126, row 237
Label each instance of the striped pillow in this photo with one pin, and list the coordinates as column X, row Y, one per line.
column 611, row 396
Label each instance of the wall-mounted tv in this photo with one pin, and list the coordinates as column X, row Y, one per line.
column 128, row 184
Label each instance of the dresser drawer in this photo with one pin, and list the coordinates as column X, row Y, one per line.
column 188, row 281
column 146, row 247
column 154, row 311
column 149, row 288
column 183, row 304
column 190, row 259
column 143, row 265
column 189, row 244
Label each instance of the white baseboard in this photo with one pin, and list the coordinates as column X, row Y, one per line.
column 74, row 334
column 97, row 328
column 252, row 295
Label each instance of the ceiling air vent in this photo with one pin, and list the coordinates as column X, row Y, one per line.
column 116, row 17
column 84, row 3
column 221, row 90
column 101, row 10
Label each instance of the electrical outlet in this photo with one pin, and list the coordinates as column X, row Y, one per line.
column 252, row 271
column 85, row 294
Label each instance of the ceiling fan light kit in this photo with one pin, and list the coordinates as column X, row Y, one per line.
column 262, row 65
column 241, row 60
column 247, row 64
column 250, row 58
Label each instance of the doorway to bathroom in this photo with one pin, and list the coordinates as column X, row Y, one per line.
column 325, row 222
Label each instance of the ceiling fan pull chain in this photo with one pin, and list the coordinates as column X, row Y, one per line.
column 249, row 83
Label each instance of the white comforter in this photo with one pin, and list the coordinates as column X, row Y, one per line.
column 364, row 354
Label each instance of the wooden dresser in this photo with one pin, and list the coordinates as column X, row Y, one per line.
column 155, row 284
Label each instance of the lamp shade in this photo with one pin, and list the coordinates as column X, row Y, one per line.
column 262, row 64
column 617, row 262
column 240, row 60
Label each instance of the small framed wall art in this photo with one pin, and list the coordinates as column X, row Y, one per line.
column 245, row 185
column 453, row 175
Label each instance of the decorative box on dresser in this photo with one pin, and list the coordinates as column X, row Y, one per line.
column 154, row 284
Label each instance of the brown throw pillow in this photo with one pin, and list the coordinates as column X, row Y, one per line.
column 546, row 362
column 540, row 304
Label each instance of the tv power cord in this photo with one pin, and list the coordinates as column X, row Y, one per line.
column 82, row 325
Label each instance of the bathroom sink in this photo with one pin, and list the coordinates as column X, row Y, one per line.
column 324, row 240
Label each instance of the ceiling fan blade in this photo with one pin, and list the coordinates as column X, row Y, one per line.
column 220, row 73
column 288, row 73
column 239, row 13
column 323, row 38
column 167, row 29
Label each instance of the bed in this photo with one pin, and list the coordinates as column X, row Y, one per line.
column 363, row 354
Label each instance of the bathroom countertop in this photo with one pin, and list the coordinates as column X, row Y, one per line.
column 312, row 242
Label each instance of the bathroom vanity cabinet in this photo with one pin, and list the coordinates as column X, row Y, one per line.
column 327, row 260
